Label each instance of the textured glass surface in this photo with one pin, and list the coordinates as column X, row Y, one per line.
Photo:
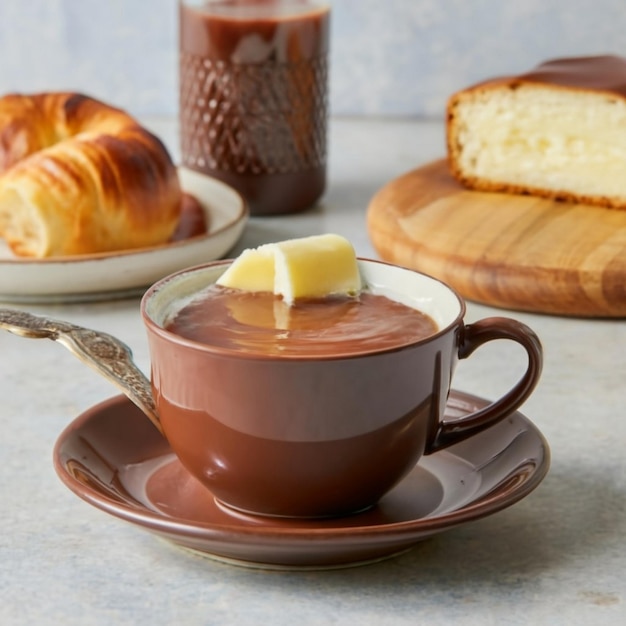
column 253, row 118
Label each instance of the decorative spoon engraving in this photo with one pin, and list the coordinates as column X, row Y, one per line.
column 107, row 355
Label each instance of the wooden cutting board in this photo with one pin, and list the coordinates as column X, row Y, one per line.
column 510, row 251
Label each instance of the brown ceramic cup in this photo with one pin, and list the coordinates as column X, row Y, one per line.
column 308, row 436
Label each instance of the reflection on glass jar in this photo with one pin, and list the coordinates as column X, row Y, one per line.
column 253, row 97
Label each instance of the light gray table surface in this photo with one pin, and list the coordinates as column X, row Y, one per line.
column 556, row 557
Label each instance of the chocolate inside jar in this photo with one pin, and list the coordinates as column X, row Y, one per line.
column 253, row 98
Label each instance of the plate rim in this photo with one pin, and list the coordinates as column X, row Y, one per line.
column 235, row 219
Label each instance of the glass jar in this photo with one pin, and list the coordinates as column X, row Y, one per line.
column 253, row 97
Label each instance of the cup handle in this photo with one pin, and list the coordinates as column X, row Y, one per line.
column 449, row 432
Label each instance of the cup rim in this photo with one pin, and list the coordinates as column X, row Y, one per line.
column 236, row 353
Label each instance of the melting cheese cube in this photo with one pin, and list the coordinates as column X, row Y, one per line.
column 309, row 267
column 252, row 270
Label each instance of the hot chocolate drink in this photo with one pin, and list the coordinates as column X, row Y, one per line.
column 261, row 323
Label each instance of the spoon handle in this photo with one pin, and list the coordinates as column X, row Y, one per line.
column 107, row 355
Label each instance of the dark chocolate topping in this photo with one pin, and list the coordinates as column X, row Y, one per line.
column 603, row 73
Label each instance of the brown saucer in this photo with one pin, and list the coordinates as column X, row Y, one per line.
column 112, row 457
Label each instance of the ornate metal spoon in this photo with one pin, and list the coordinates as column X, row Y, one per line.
column 101, row 351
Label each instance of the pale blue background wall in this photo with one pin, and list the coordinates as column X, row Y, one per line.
column 389, row 57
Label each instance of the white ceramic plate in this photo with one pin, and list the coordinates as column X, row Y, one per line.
column 116, row 274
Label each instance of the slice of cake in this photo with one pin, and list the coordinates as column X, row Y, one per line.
column 558, row 131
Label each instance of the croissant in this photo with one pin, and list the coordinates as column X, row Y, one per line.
column 78, row 176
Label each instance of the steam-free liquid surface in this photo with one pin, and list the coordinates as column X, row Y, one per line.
column 261, row 323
